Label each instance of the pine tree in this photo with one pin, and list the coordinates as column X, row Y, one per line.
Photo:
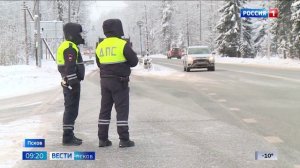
column 247, row 43
column 296, row 26
column 260, row 39
column 282, row 28
column 166, row 23
column 229, row 28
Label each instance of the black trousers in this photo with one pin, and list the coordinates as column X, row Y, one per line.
column 114, row 91
column 72, row 97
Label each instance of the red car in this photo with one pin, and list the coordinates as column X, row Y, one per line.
column 174, row 52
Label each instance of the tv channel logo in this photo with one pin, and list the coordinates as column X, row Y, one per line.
column 34, row 143
column 61, row 155
column 72, row 155
column 273, row 13
column 259, row 13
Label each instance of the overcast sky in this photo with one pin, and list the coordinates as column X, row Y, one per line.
column 99, row 8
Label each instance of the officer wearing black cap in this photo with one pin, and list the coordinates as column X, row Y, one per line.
column 72, row 70
column 114, row 57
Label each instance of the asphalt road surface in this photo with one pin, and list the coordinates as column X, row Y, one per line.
column 185, row 120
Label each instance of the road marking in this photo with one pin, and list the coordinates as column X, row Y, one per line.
column 222, row 100
column 296, row 166
column 266, row 75
column 212, row 94
column 273, row 139
column 250, row 120
column 234, row 109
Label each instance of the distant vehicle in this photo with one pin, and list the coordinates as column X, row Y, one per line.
column 198, row 57
column 174, row 52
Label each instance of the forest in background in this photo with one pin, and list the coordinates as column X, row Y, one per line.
column 165, row 24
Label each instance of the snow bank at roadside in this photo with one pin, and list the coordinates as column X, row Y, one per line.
column 273, row 61
column 156, row 70
column 20, row 80
column 158, row 56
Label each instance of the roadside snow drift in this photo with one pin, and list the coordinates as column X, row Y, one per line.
column 155, row 70
column 20, row 80
column 273, row 61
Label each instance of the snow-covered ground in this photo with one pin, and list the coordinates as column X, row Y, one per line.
column 158, row 56
column 273, row 61
column 20, row 80
column 155, row 70
column 14, row 133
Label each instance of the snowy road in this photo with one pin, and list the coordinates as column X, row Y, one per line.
column 198, row 119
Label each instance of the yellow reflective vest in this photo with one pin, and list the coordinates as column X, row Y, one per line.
column 110, row 51
column 60, row 60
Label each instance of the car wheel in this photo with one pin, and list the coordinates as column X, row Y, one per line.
column 211, row 68
column 188, row 69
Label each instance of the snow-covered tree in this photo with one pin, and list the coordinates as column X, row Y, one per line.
column 296, row 26
column 247, row 50
column 12, row 33
column 229, row 29
column 282, row 28
column 167, row 25
column 260, row 39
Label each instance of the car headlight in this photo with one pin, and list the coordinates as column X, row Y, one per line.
column 211, row 59
column 190, row 60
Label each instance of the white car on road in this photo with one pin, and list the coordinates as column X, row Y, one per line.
column 198, row 57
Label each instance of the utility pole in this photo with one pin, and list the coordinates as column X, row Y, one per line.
column 187, row 25
column 38, row 42
column 147, row 36
column 200, row 18
column 25, row 31
column 140, row 24
column 69, row 10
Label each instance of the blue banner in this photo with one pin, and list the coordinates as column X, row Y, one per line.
column 34, row 143
column 34, row 155
column 84, row 155
column 254, row 13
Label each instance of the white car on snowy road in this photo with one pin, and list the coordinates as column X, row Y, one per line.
column 198, row 57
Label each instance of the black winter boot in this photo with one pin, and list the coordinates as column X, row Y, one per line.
column 104, row 143
column 71, row 142
column 78, row 139
column 124, row 143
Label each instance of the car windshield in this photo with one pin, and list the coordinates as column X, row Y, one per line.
column 199, row 51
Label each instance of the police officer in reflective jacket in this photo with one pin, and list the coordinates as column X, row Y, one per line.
column 72, row 70
column 114, row 57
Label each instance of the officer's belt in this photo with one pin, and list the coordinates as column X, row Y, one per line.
column 122, row 78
